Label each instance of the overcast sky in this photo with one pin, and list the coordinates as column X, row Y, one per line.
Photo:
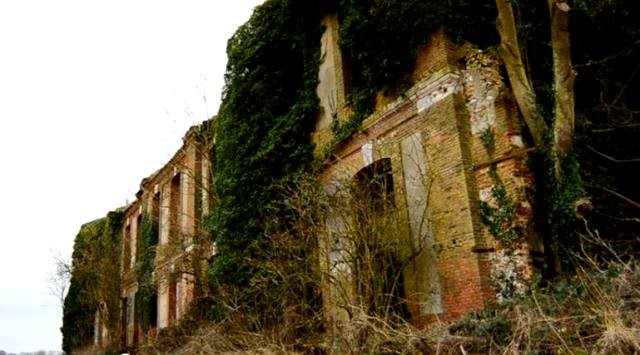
column 94, row 96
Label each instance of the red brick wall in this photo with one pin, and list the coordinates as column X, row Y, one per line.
column 460, row 164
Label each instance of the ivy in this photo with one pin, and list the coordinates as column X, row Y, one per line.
column 555, row 199
column 500, row 215
column 147, row 289
column 264, row 125
column 270, row 106
column 488, row 140
column 501, row 218
column 380, row 40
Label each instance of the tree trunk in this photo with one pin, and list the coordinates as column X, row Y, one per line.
column 518, row 76
column 564, row 78
column 526, row 98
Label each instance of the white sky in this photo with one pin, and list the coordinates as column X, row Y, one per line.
column 94, row 96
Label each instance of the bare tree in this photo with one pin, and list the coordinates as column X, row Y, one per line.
column 59, row 278
column 522, row 83
column 563, row 116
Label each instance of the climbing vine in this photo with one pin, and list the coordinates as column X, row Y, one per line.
column 500, row 215
column 268, row 112
column 269, row 106
column 556, row 197
column 501, row 218
column 380, row 40
column 147, row 289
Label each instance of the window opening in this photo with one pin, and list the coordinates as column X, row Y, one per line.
column 378, row 269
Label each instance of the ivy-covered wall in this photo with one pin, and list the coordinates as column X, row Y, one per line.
column 95, row 282
column 147, row 294
column 270, row 107
column 267, row 115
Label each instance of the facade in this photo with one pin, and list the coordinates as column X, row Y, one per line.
column 175, row 199
column 431, row 144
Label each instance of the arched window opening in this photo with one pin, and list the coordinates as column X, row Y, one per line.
column 378, row 268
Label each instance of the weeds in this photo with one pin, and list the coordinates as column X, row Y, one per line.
column 595, row 311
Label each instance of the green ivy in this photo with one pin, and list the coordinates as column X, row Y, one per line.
column 147, row 289
column 488, row 139
column 380, row 40
column 264, row 125
column 555, row 202
column 500, row 218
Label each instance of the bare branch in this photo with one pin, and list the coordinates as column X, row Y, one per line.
column 610, row 158
column 617, row 194
column 59, row 278
column 604, row 60
column 611, row 129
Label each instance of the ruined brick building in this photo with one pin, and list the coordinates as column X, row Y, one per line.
column 176, row 197
column 430, row 143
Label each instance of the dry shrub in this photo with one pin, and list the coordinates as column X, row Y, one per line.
column 594, row 311
column 226, row 338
